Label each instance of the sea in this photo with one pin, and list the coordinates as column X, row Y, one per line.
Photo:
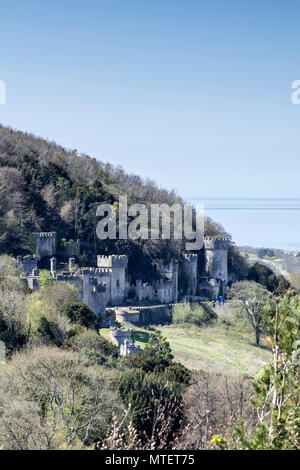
column 257, row 222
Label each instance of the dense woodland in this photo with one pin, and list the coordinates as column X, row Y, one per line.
column 44, row 187
column 63, row 385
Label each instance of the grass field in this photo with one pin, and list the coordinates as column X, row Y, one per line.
column 216, row 347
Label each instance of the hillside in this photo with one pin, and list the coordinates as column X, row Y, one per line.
column 288, row 261
column 44, row 187
column 224, row 346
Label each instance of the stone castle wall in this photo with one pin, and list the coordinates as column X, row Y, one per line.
column 68, row 248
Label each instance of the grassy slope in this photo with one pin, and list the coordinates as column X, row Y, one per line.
column 216, row 348
column 213, row 348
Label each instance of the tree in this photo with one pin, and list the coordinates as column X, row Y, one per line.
column 45, row 319
column 214, row 403
column 79, row 312
column 159, row 346
column 50, row 399
column 276, row 284
column 262, row 252
column 12, row 312
column 9, row 267
column 277, row 389
column 12, row 184
column 45, row 278
column 90, row 342
column 251, row 298
column 142, row 392
column 295, row 281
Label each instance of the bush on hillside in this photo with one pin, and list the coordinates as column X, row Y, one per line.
column 193, row 314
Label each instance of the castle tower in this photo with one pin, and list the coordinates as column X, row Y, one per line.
column 45, row 244
column 216, row 258
column 93, row 292
column 117, row 265
column 71, row 263
column 191, row 266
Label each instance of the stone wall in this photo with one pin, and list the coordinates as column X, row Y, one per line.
column 68, row 248
column 127, row 315
column 159, row 291
column 28, row 264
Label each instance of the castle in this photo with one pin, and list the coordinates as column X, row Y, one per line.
column 108, row 285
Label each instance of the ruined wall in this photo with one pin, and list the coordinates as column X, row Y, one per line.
column 68, row 248
column 128, row 315
column 90, row 288
column 122, row 339
column 159, row 291
column 32, row 279
column 174, row 282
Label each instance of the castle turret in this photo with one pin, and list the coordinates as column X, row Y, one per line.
column 117, row 264
column 191, row 266
column 53, row 266
column 216, row 258
column 71, row 263
column 45, row 244
column 112, row 261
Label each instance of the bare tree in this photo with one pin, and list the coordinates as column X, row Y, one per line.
column 214, row 404
column 49, row 399
column 250, row 298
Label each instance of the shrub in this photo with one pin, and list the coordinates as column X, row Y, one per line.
column 194, row 314
column 79, row 312
column 89, row 340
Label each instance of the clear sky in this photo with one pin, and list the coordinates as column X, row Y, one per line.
column 193, row 94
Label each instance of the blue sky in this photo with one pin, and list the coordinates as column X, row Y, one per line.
column 193, row 94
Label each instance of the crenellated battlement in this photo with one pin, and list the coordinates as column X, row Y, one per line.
column 96, row 271
column 216, row 243
column 191, row 257
column 45, row 235
column 45, row 244
column 112, row 261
